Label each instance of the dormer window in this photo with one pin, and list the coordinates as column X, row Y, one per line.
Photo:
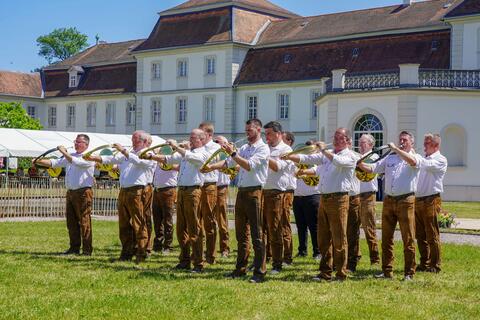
column 435, row 45
column 287, row 58
column 74, row 76
column 355, row 52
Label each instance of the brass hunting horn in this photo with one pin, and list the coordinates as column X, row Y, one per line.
column 381, row 152
column 52, row 172
column 163, row 149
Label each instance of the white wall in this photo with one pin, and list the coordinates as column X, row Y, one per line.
column 37, row 103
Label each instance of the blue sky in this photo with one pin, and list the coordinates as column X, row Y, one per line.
column 23, row 21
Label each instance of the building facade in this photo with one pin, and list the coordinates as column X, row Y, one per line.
column 412, row 66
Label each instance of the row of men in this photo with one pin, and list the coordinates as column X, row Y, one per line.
column 265, row 184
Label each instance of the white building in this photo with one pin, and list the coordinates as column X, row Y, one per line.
column 380, row 70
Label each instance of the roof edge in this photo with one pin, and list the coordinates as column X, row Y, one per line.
column 92, row 65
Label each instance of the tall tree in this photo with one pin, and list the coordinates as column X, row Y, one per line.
column 61, row 44
column 12, row 115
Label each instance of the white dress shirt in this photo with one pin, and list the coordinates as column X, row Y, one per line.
column 133, row 170
column 189, row 174
column 432, row 172
column 400, row 177
column 223, row 179
column 292, row 179
column 370, row 186
column 257, row 156
column 279, row 180
column 165, row 178
column 210, row 148
column 78, row 174
column 336, row 175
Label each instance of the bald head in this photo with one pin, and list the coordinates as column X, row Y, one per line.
column 197, row 138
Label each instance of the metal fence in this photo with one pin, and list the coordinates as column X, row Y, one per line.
column 44, row 197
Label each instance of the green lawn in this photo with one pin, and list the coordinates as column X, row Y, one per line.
column 469, row 210
column 36, row 283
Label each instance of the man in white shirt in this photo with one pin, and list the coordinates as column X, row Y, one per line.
column 78, row 180
column 336, row 171
column 368, row 192
column 135, row 175
column 428, row 203
column 401, row 174
column 191, row 157
column 276, row 185
column 252, row 158
column 209, row 196
column 221, row 207
column 163, row 208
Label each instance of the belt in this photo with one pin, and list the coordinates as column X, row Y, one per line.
column 222, row 186
column 335, row 194
column 273, row 190
column 430, row 196
column 206, row 184
column 79, row 190
column 367, row 194
column 253, row 188
column 164, row 188
column 133, row 188
column 188, row 187
column 402, row 196
column 354, row 197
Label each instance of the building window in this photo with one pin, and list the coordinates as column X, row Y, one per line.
column 252, row 107
column 368, row 123
column 283, row 106
column 155, row 111
column 454, row 145
column 71, row 115
column 314, row 109
column 210, row 65
column 32, row 112
column 156, row 70
column 52, row 116
column 131, row 111
column 91, row 114
column 110, row 114
column 209, row 108
column 182, row 67
column 73, row 81
column 181, row 110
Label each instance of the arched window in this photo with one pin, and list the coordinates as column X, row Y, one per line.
column 454, row 145
column 368, row 123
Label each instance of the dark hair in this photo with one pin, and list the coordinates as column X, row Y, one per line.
column 85, row 137
column 274, row 125
column 254, row 121
column 207, row 127
column 407, row 133
column 289, row 136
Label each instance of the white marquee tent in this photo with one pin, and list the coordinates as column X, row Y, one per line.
column 32, row 143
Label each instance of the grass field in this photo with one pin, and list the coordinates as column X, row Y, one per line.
column 36, row 282
column 470, row 210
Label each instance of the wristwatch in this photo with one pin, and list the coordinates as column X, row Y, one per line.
column 233, row 154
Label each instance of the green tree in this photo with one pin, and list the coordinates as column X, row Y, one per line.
column 12, row 115
column 61, row 44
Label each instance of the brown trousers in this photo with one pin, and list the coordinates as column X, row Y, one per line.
column 222, row 220
column 427, row 231
column 163, row 210
column 367, row 217
column 248, row 222
column 353, row 232
column 287, row 229
column 332, row 230
column 208, row 202
column 273, row 203
column 401, row 209
column 132, row 223
column 189, row 226
column 79, row 224
column 147, row 205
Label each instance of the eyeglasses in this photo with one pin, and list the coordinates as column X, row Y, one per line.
column 79, row 141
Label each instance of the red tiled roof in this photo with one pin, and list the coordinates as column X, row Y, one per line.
column 20, row 84
column 259, row 5
column 112, row 79
column 466, row 8
column 416, row 15
column 315, row 61
column 190, row 29
column 117, row 52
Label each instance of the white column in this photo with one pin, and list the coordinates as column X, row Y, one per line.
column 409, row 75
column 338, row 79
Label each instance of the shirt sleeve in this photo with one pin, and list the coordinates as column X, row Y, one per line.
column 379, row 167
column 344, row 161
column 196, row 158
column 316, row 158
column 259, row 158
column 133, row 158
column 59, row 163
column 82, row 163
column 117, row 159
column 434, row 165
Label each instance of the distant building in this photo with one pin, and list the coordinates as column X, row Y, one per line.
column 413, row 66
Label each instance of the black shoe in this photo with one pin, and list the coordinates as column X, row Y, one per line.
column 181, row 266
column 235, row 274
column 71, row 251
column 256, row 279
column 197, row 270
column 86, row 254
column 383, row 276
column 125, row 258
column 320, row 278
column 421, row 268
